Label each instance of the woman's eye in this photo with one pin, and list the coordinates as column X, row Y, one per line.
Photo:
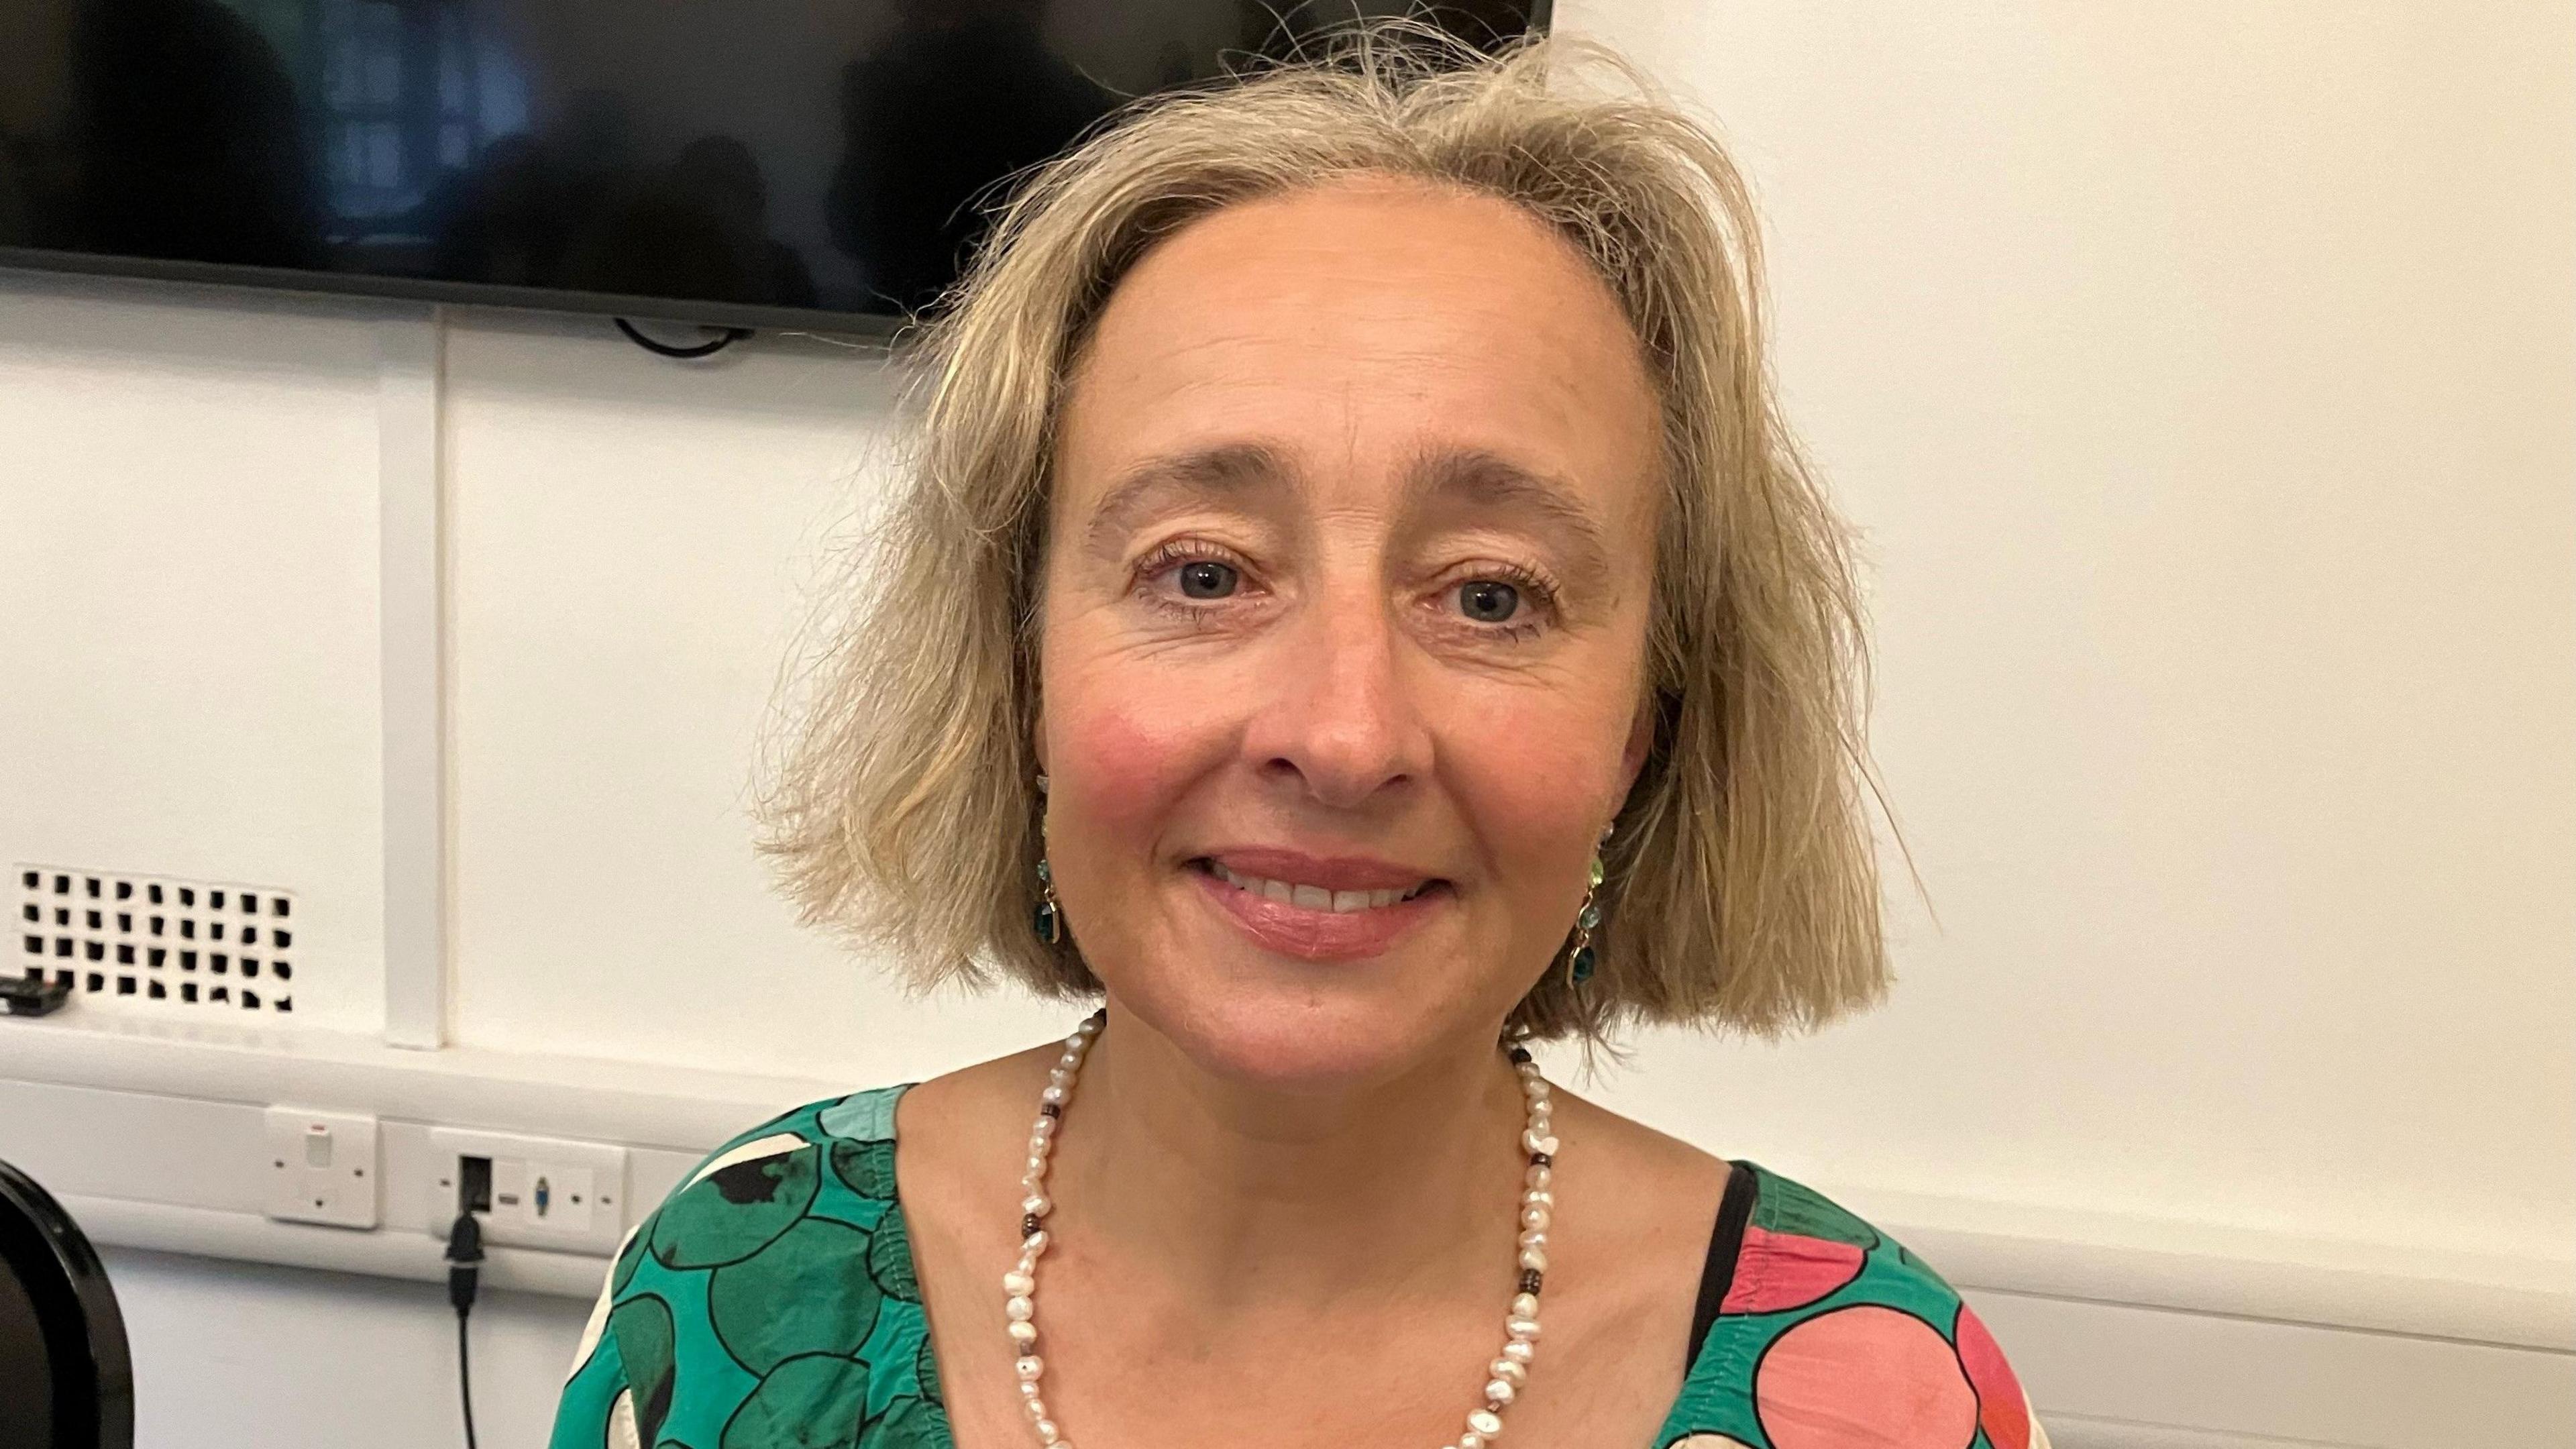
column 1489, row 601
column 1207, row 580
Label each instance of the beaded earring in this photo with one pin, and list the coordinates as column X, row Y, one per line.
column 1580, row 960
column 1048, row 919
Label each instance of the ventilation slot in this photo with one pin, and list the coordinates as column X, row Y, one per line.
column 69, row 917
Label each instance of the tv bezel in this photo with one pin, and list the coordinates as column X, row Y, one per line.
column 880, row 326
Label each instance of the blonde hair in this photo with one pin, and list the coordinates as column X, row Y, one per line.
column 1742, row 884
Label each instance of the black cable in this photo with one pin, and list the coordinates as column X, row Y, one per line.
column 464, row 1273
column 726, row 337
column 464, row 1379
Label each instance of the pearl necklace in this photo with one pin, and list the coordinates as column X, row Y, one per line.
column 1506, row 1375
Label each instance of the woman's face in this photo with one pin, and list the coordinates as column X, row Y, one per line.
column 1343, row 625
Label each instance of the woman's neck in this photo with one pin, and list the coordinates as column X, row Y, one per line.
column 1235, row 1197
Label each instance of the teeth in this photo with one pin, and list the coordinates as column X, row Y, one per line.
column 1313, row 898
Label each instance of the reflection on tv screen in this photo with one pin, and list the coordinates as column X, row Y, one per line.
column 825, row 154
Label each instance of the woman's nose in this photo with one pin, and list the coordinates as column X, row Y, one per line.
column 1339, row 717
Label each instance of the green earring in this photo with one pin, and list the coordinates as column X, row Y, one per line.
column 1048, row 920
column 1580, row 960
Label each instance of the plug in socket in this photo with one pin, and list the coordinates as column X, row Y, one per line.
column 474, row 1184
column 531, row 1192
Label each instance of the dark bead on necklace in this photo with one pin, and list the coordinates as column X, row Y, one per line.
column 1530, row 1279
column 1520, row 1054
column 1051, row 1109
column 1028, row 1224
column 1540, row 1159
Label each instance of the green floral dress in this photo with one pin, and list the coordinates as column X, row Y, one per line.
column 771, row 1303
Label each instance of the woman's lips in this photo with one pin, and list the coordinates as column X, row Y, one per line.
column 1318, row 933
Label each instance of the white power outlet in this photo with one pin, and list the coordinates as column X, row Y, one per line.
column 539, row 1192
column 321, row 1167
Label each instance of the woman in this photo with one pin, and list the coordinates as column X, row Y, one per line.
column 1354, row 611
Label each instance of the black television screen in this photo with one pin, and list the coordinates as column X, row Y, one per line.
column 748, row 162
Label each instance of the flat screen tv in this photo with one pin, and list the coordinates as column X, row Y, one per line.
column 805, row 163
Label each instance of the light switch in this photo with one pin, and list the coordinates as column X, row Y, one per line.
column 320, row 1167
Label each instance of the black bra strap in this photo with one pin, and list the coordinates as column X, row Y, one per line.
column 1725, row 1245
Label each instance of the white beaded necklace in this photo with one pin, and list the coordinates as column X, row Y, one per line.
column 1506, row 1374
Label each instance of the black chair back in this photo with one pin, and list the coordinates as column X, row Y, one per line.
column 65, row 1379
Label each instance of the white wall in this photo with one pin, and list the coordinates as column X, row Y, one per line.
column 187, row 597
column 2204, row 375
column 235, row 1356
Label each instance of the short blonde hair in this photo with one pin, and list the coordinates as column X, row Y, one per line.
column 1742, row 882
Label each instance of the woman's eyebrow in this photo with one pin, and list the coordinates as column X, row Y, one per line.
column 1472, row 476
column 1160, row 482
column 1488, row 480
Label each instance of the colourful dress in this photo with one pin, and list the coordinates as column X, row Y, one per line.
column 771, row 1303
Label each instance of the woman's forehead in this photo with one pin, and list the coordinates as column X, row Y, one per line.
column 1368, row 323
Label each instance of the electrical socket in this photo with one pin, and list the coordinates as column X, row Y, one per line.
column 542, row 1192
column 321, row 1167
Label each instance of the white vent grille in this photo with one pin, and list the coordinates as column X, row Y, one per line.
column 152, row 943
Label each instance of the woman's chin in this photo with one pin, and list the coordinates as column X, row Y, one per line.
column 1305, row 1046
column 1362, row 1024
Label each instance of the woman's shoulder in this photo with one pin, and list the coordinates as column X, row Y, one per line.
column 775, row 1173
column 1826, row 1330
column 764, row 1180
column 774, row 1283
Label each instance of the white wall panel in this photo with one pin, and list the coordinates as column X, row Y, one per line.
column 634, row 543
column 241, row 1356
column 188, row 603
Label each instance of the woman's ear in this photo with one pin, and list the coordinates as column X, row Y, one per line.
column 1038, row 733
column 1641, row 738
